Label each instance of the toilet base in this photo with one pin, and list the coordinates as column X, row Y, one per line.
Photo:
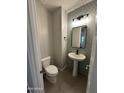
column 52, row 79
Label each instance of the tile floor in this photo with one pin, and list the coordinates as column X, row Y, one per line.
column 66, row 83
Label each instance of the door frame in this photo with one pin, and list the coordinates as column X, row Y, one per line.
column 34, row 35
column 93, row 63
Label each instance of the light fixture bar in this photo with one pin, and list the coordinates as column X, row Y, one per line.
column 81, row 16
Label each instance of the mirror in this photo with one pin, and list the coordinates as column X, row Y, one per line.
column 79, row 37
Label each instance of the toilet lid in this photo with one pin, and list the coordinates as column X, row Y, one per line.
column 51, row 69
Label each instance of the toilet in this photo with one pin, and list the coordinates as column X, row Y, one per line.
column 50, row 70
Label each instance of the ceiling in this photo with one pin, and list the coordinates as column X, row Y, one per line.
column 68, row 5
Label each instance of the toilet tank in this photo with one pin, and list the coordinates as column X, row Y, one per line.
column 45, row 61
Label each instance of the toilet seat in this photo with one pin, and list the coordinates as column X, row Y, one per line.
column 51, row 70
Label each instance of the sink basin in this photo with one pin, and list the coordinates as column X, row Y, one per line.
column 77, row 57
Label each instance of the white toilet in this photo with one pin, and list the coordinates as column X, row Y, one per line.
column 50, row 70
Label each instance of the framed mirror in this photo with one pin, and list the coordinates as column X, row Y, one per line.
column 79, row 37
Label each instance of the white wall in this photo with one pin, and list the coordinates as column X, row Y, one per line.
column 45, row 30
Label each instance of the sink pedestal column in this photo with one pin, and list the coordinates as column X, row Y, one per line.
column 75, row 68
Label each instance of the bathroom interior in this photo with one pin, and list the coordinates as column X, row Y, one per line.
column 66, row 29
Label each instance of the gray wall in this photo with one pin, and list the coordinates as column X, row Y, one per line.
column 89, row 8
column 52, row 30
column 64, row 36
column 45, row 30
column 59, row 32
column 57, row 37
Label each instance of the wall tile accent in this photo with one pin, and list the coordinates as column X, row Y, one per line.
column 89, row 8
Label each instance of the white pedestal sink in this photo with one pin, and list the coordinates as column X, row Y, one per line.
column 76, row 58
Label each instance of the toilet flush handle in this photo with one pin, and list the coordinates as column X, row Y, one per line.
column 42, row 71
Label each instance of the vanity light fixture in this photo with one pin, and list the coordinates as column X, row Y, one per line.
column 80, row 20
column 80, row 17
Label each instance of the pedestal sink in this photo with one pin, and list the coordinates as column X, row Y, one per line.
column 76, row 58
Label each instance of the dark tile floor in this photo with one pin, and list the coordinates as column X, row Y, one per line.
column 66, row 83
